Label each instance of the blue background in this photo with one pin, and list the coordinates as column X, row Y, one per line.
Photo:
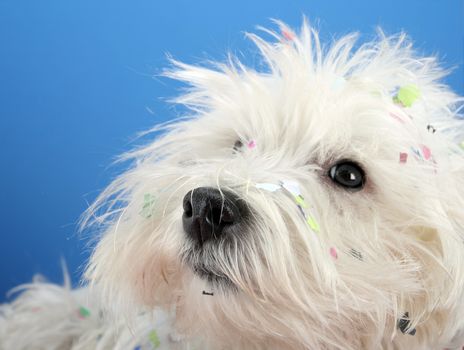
column 77, row 83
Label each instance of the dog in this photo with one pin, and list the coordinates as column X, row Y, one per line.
column 314, row 203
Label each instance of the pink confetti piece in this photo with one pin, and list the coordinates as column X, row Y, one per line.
column 251, row 144
column 403, row 157
column 287, row 34
column 426, row 152
column 396, row 117
column 333, row 253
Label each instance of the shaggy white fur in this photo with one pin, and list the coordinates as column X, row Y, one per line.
column 316, row 265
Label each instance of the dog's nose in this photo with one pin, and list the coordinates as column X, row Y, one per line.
column 209, row 212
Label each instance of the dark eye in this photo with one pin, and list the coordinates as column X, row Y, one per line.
column 347, row 174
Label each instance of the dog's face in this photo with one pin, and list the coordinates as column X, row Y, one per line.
column 317, row 204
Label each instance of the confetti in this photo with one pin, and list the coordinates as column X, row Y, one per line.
column 293, row 188
column 397, row 117
column 407, row 95
column 461, row 145
column 268, row 187
column 237, row 145
column 417, row 153
column 138, row 347
column 423, row 152
column 431, row 129
column 287, row 34
column 403, row 157
column 356, row 254
column 251, row 144
column 83, row 312
column 333, row 252
column 426, row 152
column 300, row 201
column 148, row 205
column 403, row 325
column 313, row 224
column 154, row 340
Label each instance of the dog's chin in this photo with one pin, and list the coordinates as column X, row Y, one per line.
column 214, row 279
column 211, row 275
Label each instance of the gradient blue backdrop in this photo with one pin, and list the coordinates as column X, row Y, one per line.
column 76, row 84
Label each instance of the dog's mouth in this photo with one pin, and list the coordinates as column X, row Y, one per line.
column 213, row 277
column 192, row 259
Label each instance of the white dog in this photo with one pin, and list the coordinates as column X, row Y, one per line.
column 315, row 204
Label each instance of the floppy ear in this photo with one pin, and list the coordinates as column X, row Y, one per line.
column 440, row 226
column 429, row 187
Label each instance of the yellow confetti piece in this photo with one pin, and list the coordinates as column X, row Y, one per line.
column 407, row 95
column 153, row 337
column 300, row 201
column 313, row 224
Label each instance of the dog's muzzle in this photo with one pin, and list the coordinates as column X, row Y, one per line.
column 210, row 214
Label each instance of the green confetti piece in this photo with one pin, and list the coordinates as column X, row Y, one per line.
column 300, row 201
column 148, row 205
column 154, row 340
column 313, row 224
column 84, row 312
column 407, row 95
column 461, row 145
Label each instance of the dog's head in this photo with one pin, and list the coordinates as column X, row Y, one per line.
column 317, row 203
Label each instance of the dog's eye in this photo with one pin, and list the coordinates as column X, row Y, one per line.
column 347, row 174
column 238, row 145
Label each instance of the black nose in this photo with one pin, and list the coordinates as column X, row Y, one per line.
column 209, row 213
